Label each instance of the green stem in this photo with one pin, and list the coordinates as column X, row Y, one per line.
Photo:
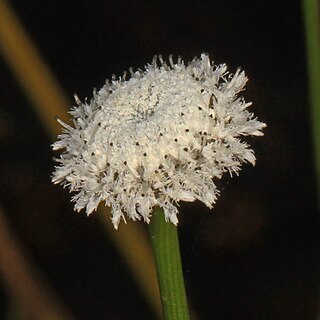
column 311, row 10
column 165, row 243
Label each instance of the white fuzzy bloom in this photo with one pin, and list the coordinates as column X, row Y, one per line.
column 161, row 137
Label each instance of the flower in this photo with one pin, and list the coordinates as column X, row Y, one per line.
column 161, row 137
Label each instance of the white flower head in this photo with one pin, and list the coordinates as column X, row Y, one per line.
column 161, row 137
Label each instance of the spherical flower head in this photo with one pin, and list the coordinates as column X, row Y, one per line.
column 163, row 136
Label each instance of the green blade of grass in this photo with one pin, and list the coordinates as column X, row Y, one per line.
column 311, row 10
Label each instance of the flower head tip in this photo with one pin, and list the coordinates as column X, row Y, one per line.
column 161, row 137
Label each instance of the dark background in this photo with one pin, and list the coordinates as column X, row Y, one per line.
column 256, row 255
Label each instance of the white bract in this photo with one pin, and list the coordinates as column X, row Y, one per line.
column 161, row 137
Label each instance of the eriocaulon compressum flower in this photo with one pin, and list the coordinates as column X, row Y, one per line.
column 163, row 136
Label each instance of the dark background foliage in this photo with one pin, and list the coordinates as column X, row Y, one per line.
column 256, row 255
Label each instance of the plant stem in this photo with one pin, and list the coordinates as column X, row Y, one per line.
column 311, row 10
column 165, row 243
